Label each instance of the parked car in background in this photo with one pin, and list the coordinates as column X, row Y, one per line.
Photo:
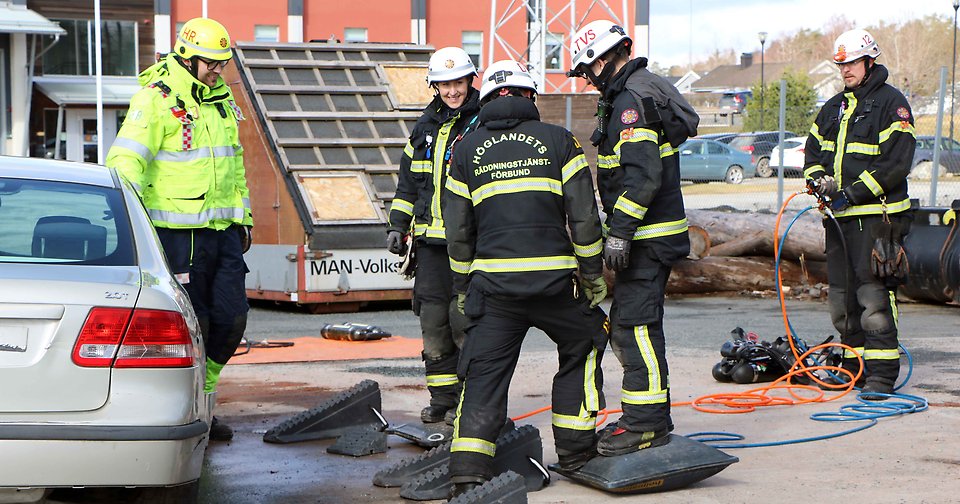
column 733, row 102
column 703, row 160
column 759, row 144
column 922, row 166
column 720, row 137
column 792, row 156
column 101, row 355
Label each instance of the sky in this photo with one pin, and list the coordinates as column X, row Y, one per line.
column 734, row 24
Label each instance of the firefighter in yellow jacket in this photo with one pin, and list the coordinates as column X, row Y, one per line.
column 179, row 147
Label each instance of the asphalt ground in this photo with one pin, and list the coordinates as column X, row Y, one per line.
column 909, row 458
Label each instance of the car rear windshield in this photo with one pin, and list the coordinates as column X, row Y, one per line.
column 43, row 221
column 742, row 141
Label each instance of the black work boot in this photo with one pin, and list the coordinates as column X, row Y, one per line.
column 220, row 431
column 433, row 414
column 450, row 417
column 615, row 440
column 574, row 461
column 876, row 390
column 464, row 484
column 840, row 381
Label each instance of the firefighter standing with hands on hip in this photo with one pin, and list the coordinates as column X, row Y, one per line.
column 642, row 119
column 858, row 156
column 179, row 148
column 418, row 201
column 515, row 186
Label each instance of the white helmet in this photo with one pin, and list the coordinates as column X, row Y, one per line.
column 853, row 45
column 449, row 63
column 594, row 39
column 505, row 73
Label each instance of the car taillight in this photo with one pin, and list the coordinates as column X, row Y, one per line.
column 800, row 150
column 134, row 339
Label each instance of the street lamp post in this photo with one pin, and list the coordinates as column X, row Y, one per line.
column 953, row 80
column 763, row 40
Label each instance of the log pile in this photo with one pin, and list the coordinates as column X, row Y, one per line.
column 733, row 251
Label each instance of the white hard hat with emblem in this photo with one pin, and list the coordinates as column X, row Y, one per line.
column 449, row 63
column 506, row 73
column 594, row 39
column 853, row 45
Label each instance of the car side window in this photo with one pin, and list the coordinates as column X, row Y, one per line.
column 715, row 149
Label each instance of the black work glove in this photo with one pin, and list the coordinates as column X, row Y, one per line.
column 616, row 253
column 395, row 243
column 888, row 260
column 839, row 201
column 246, row 238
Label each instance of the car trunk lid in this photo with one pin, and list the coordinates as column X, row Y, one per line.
column 42, row 310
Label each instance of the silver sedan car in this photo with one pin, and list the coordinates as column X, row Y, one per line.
column 101, row 356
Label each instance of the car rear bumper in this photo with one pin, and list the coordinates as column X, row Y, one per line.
column 60, row 455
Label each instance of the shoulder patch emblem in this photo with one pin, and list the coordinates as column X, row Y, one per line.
column 626, row 134
column 903, row 113
column 629, row 116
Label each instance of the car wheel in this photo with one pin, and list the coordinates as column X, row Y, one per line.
column 734, row 175
column 763, row 168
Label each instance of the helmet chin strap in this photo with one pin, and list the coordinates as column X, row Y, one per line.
column 600, row 81
column 192, row 68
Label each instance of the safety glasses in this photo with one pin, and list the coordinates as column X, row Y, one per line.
column 214, row 64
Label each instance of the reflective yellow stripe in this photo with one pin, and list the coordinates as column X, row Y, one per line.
column 888, row 354
column 828, row 146
column 591, row 399
column 629, row 207
column 667, row 150
column 642, row 336
column 142, row 151
column 874, row 209
column 460, row 267
column 408, row 149
column 852, row 354
column 403, row 206
column 584, row 423
column 475, row 445
column 196, row 219
column 588, row 250
column 815, row 131
column 458, row 188
column 871, row 183
column 499, row 187
column 842, row 138
column 812, row 169
column 431, row 231
column 520, row 264
column 894, row 310
column 637, row 135
column 661, row 229
column 573, row 167
column 439, row 172
column 863, row 148
column 901, row 126
column 420, row 167
column 441, row 380
column 651, row 397
column 607, row 162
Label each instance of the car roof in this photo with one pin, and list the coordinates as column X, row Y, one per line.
column 56, row 170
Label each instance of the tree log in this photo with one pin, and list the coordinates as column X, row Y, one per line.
column 806, row 237
column 699, row 242
column 726, row 274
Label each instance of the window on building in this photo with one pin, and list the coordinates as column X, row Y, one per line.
column 354, row 34
column 472, row 43
column 179, row 27
column 553, row 57
column 266, row 33
column 75, row 55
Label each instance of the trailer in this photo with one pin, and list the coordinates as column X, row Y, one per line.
column 325, row 127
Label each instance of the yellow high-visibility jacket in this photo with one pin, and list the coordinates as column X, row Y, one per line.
column 179, row 147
